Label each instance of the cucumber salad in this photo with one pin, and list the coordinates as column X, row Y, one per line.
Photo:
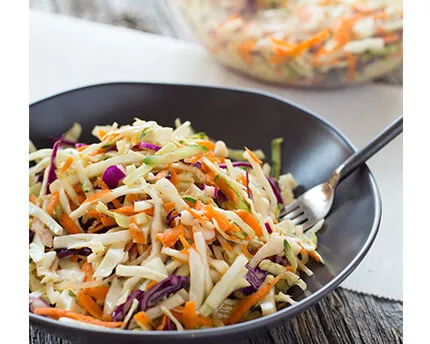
column 300, row 42
column 159, row 229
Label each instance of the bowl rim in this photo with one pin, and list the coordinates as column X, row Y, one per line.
column 288, row 312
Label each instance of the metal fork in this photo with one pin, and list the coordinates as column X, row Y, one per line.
column 315, row 203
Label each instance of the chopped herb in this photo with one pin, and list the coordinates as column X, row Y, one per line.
column 200, row 135
column 71, row 293
column 107, row 145
column 30, row 261
column 289, row 255
column 276, row 157
column 144, row 132
column 190, row 199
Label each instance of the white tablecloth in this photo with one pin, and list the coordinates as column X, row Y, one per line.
column 66, row 53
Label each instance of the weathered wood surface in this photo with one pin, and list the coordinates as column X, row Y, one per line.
column 146, row 15
column 344, row 316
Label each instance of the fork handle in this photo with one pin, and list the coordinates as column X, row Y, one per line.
column 364, row 154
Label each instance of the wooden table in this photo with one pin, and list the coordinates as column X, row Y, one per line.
column 344, row 316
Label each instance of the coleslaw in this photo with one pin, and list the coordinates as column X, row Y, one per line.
column 303, row 43
column 155, row 228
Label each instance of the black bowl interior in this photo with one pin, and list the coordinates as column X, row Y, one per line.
column 312, row 150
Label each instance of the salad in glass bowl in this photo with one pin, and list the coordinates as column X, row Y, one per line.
column 299, row 42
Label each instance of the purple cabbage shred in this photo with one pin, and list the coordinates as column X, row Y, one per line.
column 167, row 286
column 52, row 176
column 237, row 164
column 256, row 277
column 148, row 145
column 121, row 311
column 170, row 217
column 68, row 252
column 276, row 190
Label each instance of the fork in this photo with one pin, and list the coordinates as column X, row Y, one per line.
column 316, row 203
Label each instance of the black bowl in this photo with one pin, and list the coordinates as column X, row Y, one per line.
column 313, row 148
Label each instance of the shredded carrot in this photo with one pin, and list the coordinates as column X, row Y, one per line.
column 352, row 66
column 184, row 242
column 142, row 318
column 174, row 179
column 195, row 158
column 99, row 293
column 289, row 268
column 68, row 224
column 210, row 146
column 212, row 157
column 243, row 306
column 250, row 221
column 104, row 186
column 107, row 221
column 224, row 244
column 78, row 188
column 62, row 313
column 151, row 284
column 163, row 323
column 96, row 226
column 201, row 320
column 245, row 49
column 253, row 156
column 107, row 317
column 189, row 316
column 149, row 211
column 74, row 258
column 127, row 210
column 87, row 268
column 344, row 32
column 131, row 198
column 169, row 206
column 96, row 196
column 55, row 198
column 196, row 215
column 242, row 179
column 222, row 221
column 283, row 49
column 171, row 235
column 234, row 228
column 226, row 190
column 81, row 148
column 136, row 231
column 208, row 322
column 246, row 251
column 394, row 38
column 101, row 134
column 314, row 256
column 33, row 199
column 90, row 305
column 210, row 177
column 66, row 165
column 93, row 213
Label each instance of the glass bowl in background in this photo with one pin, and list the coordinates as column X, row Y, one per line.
column 299, row 42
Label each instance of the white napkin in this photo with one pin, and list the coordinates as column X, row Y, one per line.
column 66, row 53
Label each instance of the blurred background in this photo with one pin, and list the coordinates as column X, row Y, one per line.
column 194, row 20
